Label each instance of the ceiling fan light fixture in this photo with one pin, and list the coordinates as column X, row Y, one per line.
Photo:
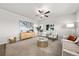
column 42, row 15
column 43, row 12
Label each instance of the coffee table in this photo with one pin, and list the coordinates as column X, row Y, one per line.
column 42, row 42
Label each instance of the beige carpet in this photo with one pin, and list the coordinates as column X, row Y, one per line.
column 2, row 49
column 29, row 48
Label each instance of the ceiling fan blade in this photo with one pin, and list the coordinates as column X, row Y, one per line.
column 41, row 17
column 36, row 15
column 39, row 11
column 46, row 15
column 47, row 12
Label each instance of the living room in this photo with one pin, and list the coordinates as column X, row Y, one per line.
column 37, row 28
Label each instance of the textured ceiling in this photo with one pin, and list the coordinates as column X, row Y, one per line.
column 29, row 9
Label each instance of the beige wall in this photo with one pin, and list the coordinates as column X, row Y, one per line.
column 60, row 23
column 9, row 24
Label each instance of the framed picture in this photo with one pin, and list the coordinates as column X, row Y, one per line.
column 25, row 26
column 40, row 28
column 50, row 27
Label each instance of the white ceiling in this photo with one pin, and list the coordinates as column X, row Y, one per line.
column 29, row 9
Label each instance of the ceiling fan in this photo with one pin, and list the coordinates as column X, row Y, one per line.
column 43, row 13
